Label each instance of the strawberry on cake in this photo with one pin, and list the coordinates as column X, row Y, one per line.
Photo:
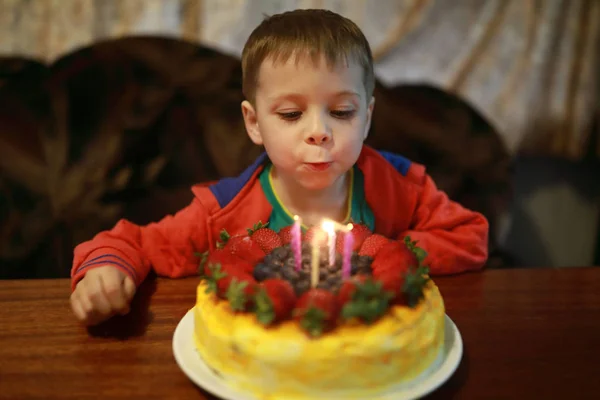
column 263, row 324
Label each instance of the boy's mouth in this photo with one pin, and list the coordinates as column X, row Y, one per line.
column 319, row 167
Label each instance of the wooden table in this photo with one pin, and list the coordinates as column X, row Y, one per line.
column 531, row 333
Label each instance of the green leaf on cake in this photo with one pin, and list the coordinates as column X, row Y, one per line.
column 203, row 259
column 236, row 295
column 313, row 321
column 368, row 303
column 419, row 252
column 265, row 314
column 415, row 282
column 213, row 278
column 256, row 227
column 224, row 236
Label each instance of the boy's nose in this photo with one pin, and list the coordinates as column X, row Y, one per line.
column 318, row 138
column 318, row 133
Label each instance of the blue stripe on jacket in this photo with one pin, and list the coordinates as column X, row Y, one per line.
column 227, row 188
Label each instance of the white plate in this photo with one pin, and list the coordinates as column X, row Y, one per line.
column 194, row 367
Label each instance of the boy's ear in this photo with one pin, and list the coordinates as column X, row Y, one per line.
column 251, row 122
column 370, row 108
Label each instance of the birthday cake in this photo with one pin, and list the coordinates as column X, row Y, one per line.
column 286, row 317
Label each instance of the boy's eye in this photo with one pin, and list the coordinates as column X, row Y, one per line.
column 294, row 115
column 342, row 114
column 290, row 116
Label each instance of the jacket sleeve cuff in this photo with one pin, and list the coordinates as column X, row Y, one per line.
column 105, row 256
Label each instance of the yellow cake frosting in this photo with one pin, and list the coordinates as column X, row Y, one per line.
column 354, row 360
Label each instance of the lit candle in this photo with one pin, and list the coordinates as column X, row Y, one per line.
column 329, row 227
column 296, row 242
column 314, row 276
column 348, row 244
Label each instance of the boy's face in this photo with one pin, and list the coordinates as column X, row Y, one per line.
column 311, row 119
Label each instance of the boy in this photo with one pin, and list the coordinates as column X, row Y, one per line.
column 308, row 80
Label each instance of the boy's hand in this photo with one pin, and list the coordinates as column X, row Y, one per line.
column 103, row 292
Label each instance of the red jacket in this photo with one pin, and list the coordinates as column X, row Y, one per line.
column 403, row 198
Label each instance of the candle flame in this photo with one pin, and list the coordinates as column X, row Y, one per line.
column 328, row 226
column 331, row 226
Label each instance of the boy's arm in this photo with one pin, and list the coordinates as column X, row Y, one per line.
column 455, row 239
column 168, row 246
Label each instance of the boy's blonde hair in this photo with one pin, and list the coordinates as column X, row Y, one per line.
column 299, row 33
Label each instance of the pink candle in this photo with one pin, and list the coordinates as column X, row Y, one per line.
column 296, row 242
column 331, row 245
column 347, row 255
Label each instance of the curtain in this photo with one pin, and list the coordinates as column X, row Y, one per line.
column 529, row 66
